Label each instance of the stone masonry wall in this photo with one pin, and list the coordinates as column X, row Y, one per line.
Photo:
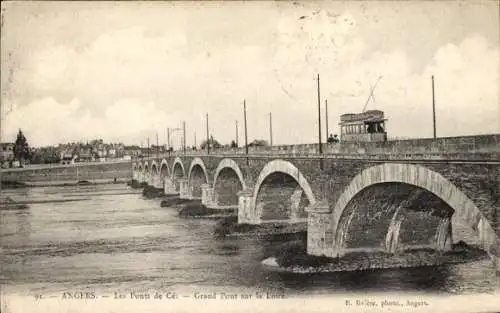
column 90, row 172
column 329, row 177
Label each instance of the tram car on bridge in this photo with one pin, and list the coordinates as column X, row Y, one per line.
column 368, row 126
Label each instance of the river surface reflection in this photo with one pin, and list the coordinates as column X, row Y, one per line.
column 113, row 239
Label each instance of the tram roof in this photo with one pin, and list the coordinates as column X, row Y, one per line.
column 368, row 116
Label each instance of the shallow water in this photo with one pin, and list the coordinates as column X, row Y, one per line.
column 113, row 239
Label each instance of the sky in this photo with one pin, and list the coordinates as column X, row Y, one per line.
column 126, row 71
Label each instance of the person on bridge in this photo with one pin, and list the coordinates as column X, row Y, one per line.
column 333, row 139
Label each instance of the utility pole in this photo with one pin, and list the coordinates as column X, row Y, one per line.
column 319, row 120
column 270, row 128
column 2, row 126
column 184, row 137
column 195, row 139
column 168, row 138
column 148, row 147
column 326, row 118
column 208, row 141
column 157, row 147
column 245, row 118
column 237, row 133
column 433, row 109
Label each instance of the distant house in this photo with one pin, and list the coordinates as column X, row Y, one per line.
column 101, row 153
column 159, row 148
column 6, row 152
column 111, row 153
column 86, row 155
column 68, row 158
column 119, row 150
column 132, row 151
column 146, row 152
column 258, row 143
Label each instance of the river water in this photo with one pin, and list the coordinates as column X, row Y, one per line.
column 112, row 239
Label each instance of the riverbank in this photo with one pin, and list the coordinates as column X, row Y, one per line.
column 150, row 192
column 173, row 201
column 12, row 184
column 229, row 228
column 192, row 208
column 293, row 257
column 195, row 209
column 135, row 184
column 7, row 203
column 187, row 208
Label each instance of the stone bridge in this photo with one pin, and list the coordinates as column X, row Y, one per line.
column 388, row 196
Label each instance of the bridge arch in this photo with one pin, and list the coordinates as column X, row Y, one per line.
column 228, row 181
column 464, row 211
column 283, row 167
column 154, row 168
column 164, row 169
column 134, row 170
column 138, row 172
column 197, row 175
column 146, row 172
column 177, row 172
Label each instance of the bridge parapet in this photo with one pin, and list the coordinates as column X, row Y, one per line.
column 483, row 147
column 492, row 157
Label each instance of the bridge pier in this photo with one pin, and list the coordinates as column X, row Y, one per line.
column 169, row 186
column 320, row 235
column 247, row 213
column 392, row 237
column 207, row 195
column 191, row 193
column 444, row 235
column 184, row 189
column 295, row 205
column 156, row 180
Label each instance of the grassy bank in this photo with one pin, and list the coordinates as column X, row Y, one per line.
column 10, row 184
column 151, row 192
column 196, row 209
column 135, row 184
column 6, row 203
column 229, row 226
column 174, row 201
column 293, row 257
column 17, row 184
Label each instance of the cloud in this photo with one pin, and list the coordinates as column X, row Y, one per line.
column 127, row 84
column 51, row 122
